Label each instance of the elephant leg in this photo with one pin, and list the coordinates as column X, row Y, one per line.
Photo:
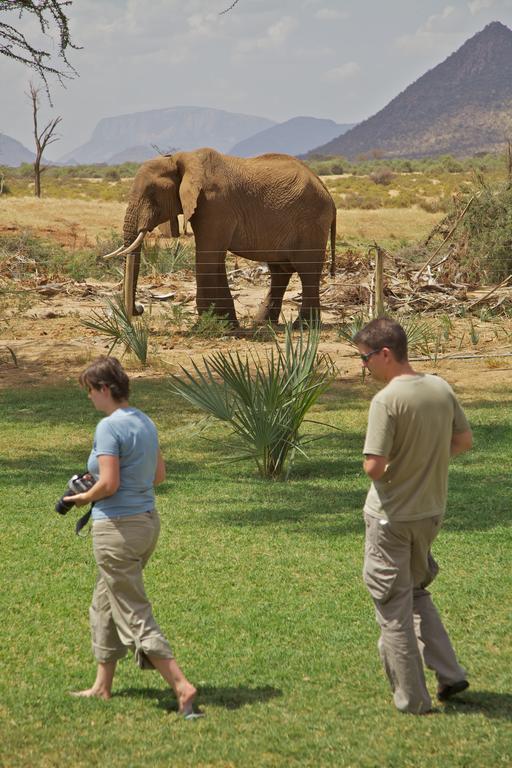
column 310, row 274
column 270, row 308
column 212, row 288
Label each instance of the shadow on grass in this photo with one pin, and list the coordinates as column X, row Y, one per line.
column 229, row 697
column 495, row 706
column 47, row 468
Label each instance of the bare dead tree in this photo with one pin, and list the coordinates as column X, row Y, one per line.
column 52, row 20
column 509, row 163
column 226, row 10
column 42, row 138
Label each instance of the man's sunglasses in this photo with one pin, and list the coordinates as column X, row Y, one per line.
column 366, row 356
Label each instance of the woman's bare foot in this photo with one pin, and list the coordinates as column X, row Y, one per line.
column 90, row 693
column 185, row 691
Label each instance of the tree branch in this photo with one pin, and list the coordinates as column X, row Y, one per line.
column 15, row 45
column 226, row 10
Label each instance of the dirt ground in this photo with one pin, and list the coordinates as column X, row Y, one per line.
column 42, row 338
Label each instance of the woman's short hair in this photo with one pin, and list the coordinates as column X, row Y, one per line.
column 107, row 371
column 384, row 332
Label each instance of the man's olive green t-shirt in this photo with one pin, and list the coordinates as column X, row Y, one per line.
column 411, row 421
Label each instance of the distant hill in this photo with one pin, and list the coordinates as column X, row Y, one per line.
column 136, row 154
column 168, row 129
column 13, row 153
column 462, row 106
column 294, row 137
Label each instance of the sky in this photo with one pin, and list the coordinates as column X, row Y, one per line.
column 337, row 59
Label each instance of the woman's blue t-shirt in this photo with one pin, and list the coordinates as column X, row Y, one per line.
column 131, row 435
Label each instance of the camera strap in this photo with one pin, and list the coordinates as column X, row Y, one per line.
column 82, row 521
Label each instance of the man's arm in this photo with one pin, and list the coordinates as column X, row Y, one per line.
column 375, row 466
column 160, row 469
column 461, row 442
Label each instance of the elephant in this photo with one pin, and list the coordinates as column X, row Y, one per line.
column 270, row 208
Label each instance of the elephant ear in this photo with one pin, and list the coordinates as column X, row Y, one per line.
column 191, row 183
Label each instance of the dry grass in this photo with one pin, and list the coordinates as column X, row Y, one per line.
column 386, row 223
column 78, row 222
column 71, row 222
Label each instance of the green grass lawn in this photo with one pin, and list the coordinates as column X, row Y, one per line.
column 258, row 588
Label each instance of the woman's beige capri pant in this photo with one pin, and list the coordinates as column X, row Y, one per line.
column 121, row 616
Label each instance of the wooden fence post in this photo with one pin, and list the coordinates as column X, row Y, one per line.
column 379, row 282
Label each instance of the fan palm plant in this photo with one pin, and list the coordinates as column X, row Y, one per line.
column 264, row 402
column 114, row 323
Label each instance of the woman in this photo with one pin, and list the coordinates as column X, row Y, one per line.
column 126, row 463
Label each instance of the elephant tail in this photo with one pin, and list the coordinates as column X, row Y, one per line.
column 333, row 244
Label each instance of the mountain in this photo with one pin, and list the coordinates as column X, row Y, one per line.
column 168, row 129
column 137, row 154
column 462, row 106
column 13, row 153
column 294, row 137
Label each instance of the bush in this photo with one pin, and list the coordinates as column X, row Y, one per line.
column 382, row 176
column 487, row 232
column 264, row 403
column 166, row 260
column 209, row 325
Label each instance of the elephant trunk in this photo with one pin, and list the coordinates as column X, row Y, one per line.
column 131, row 264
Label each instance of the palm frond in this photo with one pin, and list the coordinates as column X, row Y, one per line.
column 114, row 323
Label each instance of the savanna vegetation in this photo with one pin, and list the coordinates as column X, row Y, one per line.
column 368, row 183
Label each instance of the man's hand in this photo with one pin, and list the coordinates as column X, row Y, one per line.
column 375, row 466
column 461, row 442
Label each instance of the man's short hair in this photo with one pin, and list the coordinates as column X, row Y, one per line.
column 384, row 332
column 107, row 371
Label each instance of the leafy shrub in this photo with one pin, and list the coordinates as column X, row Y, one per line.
column 25, row 253
column 209, row 325
column 486, row 231
column 264, row 402
column 435, row 205
column 166, row 260
column 382, row 176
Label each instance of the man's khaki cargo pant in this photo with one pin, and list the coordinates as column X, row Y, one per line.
column 398, row 567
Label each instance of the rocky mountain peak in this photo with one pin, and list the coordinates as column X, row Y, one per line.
column 461, row 106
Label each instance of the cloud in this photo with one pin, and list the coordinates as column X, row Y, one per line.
column 438, row 27
column 344, row 72
column 203, row 24
column 480, row 5
column 275, row 36
column 331, row 14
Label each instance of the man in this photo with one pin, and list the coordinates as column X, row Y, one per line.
column 415, row 424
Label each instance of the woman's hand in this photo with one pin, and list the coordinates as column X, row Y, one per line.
column 106, row 485
column 78, row 500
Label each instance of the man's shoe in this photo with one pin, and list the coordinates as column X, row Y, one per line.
column 445, row 692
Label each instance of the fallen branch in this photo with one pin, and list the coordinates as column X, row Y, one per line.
column 448, row 236
column 496, row 287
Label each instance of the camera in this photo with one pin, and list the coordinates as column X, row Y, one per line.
column 77, row 484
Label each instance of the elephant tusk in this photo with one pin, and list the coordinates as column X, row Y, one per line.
column 130, row 248
column 114, row 253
